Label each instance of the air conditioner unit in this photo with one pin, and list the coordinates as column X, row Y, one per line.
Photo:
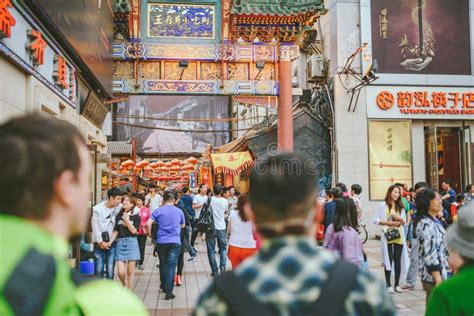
column 294, row 81
column 315, row 67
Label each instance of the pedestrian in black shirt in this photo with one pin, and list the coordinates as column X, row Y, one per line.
column 125, row 231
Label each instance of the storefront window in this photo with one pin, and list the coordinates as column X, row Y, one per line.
column 390, row 156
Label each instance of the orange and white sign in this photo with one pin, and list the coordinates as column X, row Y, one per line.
column 420, row 102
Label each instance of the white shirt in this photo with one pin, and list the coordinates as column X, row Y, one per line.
column 155, row 201
column 241, row 233
column 219, row 206
column 232, row 202
column 103, row 220
column 201, row 200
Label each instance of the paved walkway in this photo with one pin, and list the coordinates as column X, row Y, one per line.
column 196, row 278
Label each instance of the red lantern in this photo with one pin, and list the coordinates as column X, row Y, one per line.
column 129, row 163
column 160, row 163
column 192, row 160
column 168, row 164
column 175, row 162
column 145, row 163
column 188, row 167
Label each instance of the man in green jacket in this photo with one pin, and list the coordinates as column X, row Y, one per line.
column 44, row 189
column 455, row 296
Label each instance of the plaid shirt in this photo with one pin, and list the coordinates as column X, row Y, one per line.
column 288, row 275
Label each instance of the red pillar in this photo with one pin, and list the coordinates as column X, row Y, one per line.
column 285, row 113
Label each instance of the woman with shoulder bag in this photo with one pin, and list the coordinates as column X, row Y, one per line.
column 391, row 215
column 125, row 232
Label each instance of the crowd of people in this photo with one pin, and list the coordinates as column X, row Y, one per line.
column 278, row 268
column 122, row 223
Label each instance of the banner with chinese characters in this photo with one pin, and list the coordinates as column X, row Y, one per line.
column 411, row 102
column 232, row 163
column 175, row 20
column 25, row 43
column 390, row 156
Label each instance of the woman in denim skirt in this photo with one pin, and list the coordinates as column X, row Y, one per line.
column 125, row 233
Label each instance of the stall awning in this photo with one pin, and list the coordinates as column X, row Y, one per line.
column 232, row 163
column 119, row 148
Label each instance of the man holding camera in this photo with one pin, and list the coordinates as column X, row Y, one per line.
column 103, row 222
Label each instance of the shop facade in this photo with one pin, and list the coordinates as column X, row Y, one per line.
column 39, row 75
column 415, row 121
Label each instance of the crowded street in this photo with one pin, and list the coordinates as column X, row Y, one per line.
column 237, row 157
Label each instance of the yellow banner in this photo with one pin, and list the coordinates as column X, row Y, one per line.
column 232, row 163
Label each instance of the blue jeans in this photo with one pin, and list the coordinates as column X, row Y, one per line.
column 168, row 255
column 221, row 236
column 104, row 260
column 414, row 263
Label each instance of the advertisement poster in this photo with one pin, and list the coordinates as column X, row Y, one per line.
column 172, row 124
column 421, row 36
column 390, row 156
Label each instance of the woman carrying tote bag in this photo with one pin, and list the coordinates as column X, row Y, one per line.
column 391, row 216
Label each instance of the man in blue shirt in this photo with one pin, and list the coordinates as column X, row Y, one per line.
column 448, row 196
column 169, row 220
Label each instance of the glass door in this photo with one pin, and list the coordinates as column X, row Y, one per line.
column 431, row 150
column 467, row 147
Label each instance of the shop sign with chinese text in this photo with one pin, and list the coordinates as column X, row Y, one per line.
column 420, row 102
column 26, row 44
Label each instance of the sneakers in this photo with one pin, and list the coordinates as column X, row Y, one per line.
column 408, row 287
column 140, row 267
column 390, row 290
column 169, row 296
column 398, row 289
column 193, row 258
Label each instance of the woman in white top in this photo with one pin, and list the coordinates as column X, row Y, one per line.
column 242, row 243
column 391, row 215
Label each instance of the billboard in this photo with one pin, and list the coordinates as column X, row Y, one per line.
column 88, row 26
column 421, row 36
column 172, row 124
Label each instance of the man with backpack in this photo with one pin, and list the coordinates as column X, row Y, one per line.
column 45, row 168
column 218, row 207
column 290, row 275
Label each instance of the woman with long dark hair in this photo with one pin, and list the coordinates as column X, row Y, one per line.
column 125, row 232
column 391, row 215
column 242, row 243
column 430, row 235
column 341, row 236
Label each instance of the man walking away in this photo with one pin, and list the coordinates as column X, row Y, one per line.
column 153, row 199
column 103, row 223
column 44, row 184
column 198, row 202
column 170, row 221
column 290, row 275
column 219, row 207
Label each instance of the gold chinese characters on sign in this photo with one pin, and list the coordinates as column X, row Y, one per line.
column 175, row 20
column 390, row 156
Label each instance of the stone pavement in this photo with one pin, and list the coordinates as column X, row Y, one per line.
column 196, row 278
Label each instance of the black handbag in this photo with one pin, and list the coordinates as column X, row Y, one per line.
column 205, row 222
column 392, row 234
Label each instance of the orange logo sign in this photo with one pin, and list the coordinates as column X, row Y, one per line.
column 36, row 46
column 6, row 19
column 385, row 100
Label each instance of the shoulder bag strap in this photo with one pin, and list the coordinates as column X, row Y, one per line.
column 342, row 279
column 239, row 300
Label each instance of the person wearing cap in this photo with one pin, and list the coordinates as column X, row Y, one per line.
column 455, row 296
column 45, row 168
